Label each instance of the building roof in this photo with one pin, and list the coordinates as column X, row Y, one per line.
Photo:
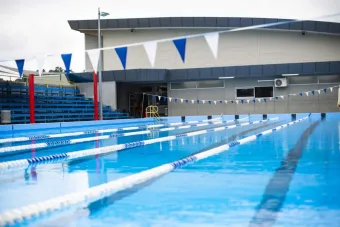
column 202, row 22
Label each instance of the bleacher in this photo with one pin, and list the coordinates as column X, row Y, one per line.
column 52, row 104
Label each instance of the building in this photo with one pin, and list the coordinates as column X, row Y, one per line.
column 309, row 50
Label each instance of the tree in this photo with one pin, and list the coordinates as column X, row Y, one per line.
column 43, row 70
column 59, row 69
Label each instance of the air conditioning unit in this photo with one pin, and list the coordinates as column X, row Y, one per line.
column 282, row 82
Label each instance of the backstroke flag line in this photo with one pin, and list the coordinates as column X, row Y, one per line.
column 94, row 58
column 151, row 49
column 212, row 40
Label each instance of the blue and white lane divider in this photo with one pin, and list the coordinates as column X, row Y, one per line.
column 78, row 200
column 25, row 163
column 69, row 134
column 12, row 149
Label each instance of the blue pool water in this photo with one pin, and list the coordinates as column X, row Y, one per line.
column 287, row 178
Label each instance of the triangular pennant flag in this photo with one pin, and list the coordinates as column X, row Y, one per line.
column 253, row 100
column 122, row 54
column 198, row 101
column 226, row 101
column 151, row 49
column 212, row 40
column 159, row 98
column 186, row 101
column 180, row 45
column 94, row 58
column 276, row 98
column 237, row 101
column 270, row 98
column 319, row 91
column 231, row 101
column 221, row 102
column 215, row 102
column 242, row 101
column 248, row 101
column 306, row 93
column 265, row 100
column 154, row 98
column 40, row 64
column 192, row 101
column 67, row 62
column 300, row 93
column 175, row 99
column 209, row 102
column 282, row 97
column 325, row 90
column 331, row 89
column 259, row 100
column 313, row 92
column 203, row 101
column 164, row 98
column 169, row 99
column 181, row 100
column 20, row 65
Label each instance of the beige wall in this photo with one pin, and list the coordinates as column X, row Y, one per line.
column 236, row 48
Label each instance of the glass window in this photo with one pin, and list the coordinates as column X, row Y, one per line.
column 264, row 92
column 244, row 92
column 210, row 84
column 183, row 85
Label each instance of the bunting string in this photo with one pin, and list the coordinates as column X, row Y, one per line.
column 243, row 101
column 212, row 39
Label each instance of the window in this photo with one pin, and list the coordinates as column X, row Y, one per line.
column 210, row 84
column 264, row 92
column 183, row 85
column 244, row 92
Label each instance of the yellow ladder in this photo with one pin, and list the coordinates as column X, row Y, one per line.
column 152, row 111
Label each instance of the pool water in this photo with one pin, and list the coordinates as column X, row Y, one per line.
column 286, row 178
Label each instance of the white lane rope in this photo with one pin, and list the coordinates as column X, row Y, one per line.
column 74, row 201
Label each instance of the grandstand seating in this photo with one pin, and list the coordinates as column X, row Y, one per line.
column 52, row 104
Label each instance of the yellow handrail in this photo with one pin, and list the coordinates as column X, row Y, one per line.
column 152, row 111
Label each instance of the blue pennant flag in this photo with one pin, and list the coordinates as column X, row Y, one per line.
column 164, row 99
column 122, row 53
column 325, row 90
column 242, row 101
column 313, row 92
column 220, row 102
column 265, row 100
column 253, row 100
column 180, row 45
column 300, row 93
column 67, row 62
column 276, row 98
column 198, row 101
column 175, row 100
column 232, row 101
column 153, row 98
column 186, row 101
column 209, row 102
column 20, row 64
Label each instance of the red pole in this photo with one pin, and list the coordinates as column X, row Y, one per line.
column 31, row 97
column 95, row 96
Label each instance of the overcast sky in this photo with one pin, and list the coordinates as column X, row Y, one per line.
column 35, row 27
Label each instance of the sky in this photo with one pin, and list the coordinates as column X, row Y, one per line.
column 30, row 28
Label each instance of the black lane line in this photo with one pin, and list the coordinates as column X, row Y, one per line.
column 278, row 186
column 99, row 204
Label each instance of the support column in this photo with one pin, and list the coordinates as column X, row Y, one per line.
column 31, row 97
column 95, row 96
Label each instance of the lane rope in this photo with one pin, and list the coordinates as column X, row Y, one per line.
column 69, row 134
column 78, row 200
column 25, row 163
column 13, row 149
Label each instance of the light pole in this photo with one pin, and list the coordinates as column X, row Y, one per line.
column 100, row 79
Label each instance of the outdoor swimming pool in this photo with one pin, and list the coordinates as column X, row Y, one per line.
column 283, row 177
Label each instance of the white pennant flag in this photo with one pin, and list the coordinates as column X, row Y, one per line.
column 203, row 101
column 319, row 91
column 248, row 101
column 94, row 58
column 282, row 96
column 159, row 98
column 40, row 64
column 226, row 101
column 259, row 100
column 170, row 99
column 212, row 40
column 215, row 102
column 181, row 100
column 306, row 93
column 270, row 98
column 192, row 101
column 237, row 101
column 151, row 49
column 331, row 89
